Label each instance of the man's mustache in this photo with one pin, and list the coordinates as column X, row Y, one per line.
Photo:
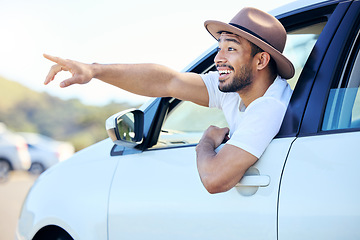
column 225, row 65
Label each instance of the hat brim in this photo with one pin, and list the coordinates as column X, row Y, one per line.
column 284, row 66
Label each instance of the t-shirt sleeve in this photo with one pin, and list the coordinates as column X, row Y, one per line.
column 211, row 80
column 260, row 124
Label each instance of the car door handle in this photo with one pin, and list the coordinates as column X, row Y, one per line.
column 254, row 181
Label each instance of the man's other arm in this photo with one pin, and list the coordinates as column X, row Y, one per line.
column 219, row 172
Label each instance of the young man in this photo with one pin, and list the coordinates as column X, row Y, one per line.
column 248, row 61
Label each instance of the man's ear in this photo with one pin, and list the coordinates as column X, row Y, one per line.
column 263, row 59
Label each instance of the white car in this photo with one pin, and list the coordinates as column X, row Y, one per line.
column 143, row 183
column 45, row 152
column 14, row 153
column 41, row 159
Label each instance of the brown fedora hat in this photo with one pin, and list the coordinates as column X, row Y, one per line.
column 260, row 28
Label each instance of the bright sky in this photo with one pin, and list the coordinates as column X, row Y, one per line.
column 106, row 31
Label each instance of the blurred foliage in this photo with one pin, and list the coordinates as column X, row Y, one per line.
column 25, row 110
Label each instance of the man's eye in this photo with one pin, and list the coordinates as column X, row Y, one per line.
column 230, row 49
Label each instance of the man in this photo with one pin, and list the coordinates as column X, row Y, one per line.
column 248, row 61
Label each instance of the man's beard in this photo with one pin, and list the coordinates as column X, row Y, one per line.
column 240, row 80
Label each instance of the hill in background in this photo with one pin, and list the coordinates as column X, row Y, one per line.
column 25, row 110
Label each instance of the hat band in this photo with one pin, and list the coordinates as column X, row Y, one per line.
column 251, row 32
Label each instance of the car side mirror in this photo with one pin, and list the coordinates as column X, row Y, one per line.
column 126, row 128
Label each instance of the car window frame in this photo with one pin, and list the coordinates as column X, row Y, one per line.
column 342, row 97
column 334, row 11
column 330, row 70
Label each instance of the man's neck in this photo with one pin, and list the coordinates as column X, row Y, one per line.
column 255, row 90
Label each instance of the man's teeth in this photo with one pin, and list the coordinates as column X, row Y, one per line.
column 225, row 71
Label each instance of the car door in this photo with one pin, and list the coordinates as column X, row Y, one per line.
column 157, row 193
column 319, row 196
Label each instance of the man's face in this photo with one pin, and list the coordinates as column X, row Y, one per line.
column 233, row 61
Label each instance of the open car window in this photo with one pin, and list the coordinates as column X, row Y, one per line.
column 186, row 122
column 299, row 44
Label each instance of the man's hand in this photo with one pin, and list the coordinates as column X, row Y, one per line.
column 215, row 136
column 81, row 73
column 221, row 171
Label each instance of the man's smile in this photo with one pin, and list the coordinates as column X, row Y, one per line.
column 224, row 72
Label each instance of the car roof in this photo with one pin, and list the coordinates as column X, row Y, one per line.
column 297, row 5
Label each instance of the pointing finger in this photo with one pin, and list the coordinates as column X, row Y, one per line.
column 57, row 60
column 62, row 64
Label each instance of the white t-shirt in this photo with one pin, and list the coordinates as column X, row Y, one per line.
column 251, row 128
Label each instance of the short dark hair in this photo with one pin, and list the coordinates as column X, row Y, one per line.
column 272, row 64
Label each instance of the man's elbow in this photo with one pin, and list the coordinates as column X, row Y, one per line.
column 214, row 186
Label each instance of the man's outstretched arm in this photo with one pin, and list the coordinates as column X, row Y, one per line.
column 150, row 80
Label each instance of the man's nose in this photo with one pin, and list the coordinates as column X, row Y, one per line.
column 220, row 57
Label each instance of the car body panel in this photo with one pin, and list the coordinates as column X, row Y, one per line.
column 151, row 198
column 67, row 185
column 325, row 174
